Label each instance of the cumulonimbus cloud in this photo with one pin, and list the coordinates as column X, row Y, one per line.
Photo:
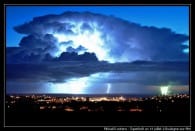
column 110, row 38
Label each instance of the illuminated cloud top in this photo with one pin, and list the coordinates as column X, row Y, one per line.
column 110, row 38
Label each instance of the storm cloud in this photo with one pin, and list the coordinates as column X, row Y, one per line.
column 66, row 77
column 87, row 53
column 111, row 39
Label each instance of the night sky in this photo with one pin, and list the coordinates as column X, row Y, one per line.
column 97, row 50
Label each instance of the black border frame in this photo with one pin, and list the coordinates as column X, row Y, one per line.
column 106, row 2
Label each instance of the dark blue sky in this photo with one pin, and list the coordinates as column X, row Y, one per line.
column 174, row 17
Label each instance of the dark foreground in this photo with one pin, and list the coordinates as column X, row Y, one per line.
column 118, row 111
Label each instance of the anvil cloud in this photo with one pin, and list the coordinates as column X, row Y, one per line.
column 111, row 39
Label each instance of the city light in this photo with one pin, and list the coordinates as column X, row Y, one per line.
column 98, row 103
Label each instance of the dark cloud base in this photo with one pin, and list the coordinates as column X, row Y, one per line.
column 61, row 70
column 125, row 77
column 137, row 78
